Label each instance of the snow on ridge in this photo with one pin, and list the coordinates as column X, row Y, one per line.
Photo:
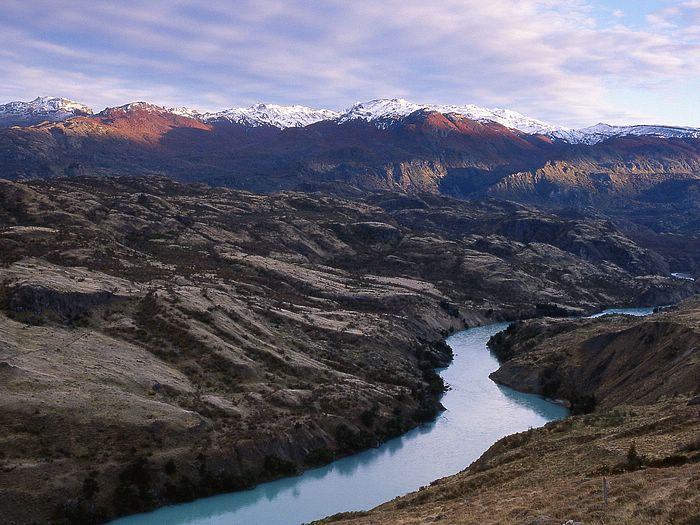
column 45, row 104
column 272, row 115
column 600, row 132
column 135, row 106
column 40, row 109
column 381, row 110
column 254, row 116
column 185, row 112
column 384, row 111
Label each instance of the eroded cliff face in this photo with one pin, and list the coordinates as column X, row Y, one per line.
column 604, row 362
column 639, row 380
column 162, row 342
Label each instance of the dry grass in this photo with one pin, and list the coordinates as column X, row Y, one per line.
column 554, row 474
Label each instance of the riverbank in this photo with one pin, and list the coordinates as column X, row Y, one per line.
column 642, row 435
column 477, row 414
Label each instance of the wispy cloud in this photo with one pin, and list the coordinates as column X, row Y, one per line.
column 558, row 60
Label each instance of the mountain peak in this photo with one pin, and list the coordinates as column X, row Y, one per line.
column 134, row 106
column 382, row 110
column 273, row 115
column 41, row 109
column 602, row 131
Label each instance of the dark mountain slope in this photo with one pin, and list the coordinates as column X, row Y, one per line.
column 648, row 186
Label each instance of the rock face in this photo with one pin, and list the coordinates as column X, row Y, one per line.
column 641, row 435
column 215, row 338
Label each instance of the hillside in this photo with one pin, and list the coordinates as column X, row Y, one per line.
column 641, row 436
column 630, row 362
column 214, row 338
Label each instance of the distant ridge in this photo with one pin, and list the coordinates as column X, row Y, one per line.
column 382, row 112
column 41, row 109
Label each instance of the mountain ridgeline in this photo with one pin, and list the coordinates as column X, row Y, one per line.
column 462, row 151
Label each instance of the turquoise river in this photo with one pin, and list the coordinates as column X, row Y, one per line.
column 479, row 413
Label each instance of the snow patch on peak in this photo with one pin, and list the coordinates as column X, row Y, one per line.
column 57, row 104
column 600, row 132
column 383, row 110
column 134, row 106
column 41, row 109
column 146, row 107
column 272, row 115
column 186, row 112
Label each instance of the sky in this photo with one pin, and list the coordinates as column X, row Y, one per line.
column 568, row 62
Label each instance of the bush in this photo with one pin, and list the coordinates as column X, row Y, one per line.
column 319, row 456
column 549, row 382
column 368, row 416
column 90, row 488
column 279, row 467
column 133, row 493
column 634, row 460
column 582, row 404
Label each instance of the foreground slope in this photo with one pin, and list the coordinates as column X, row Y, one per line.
column 642, row 436
column 162, row 342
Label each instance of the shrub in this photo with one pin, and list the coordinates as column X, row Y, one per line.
column 279, row 467
column 634, row 460
column 319, row 456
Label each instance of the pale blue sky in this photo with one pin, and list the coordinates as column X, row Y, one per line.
column 571, row 62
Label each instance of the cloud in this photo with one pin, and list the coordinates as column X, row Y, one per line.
column 552, row 59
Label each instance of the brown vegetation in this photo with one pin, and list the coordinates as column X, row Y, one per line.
column 642, row 438
column 161, row 342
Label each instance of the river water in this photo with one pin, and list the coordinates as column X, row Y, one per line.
column 479, row 413
column 683, row 275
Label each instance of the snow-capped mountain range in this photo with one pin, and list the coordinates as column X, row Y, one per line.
column 382, row 112
column 601, row 132
column 257, row 115
column 272, row 115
